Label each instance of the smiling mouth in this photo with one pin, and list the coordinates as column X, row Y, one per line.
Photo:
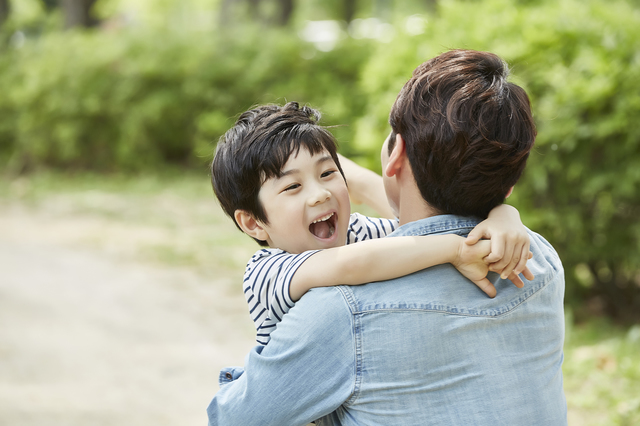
column 324, row 227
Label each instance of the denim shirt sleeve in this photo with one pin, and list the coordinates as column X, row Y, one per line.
column 229, row 374
column 307, row 370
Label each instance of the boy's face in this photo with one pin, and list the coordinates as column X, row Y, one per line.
column 308, row 206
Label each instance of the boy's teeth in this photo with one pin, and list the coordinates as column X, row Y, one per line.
column 322, row 219
column 323, row 227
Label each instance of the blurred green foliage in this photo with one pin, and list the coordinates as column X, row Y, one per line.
column 138, row 98
column 132, row 100
column 580, row 64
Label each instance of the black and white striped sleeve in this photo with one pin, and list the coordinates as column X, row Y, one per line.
column 363, row 228
column 267, row 280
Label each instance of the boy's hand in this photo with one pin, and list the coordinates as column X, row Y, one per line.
column 470, row 262
column 509, row 244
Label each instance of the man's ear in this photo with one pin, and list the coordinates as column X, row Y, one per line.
column 250, row 225
column 396, row 158
column 510, row 192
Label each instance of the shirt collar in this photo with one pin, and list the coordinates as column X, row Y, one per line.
column 440, row 224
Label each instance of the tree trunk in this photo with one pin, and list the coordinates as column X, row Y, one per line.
column 5, row 9
column 77, row 13
column 50, row 5
column 255, row 13
column 224, row 13
column 286, row 10
column 349, row 10
column 254, row 10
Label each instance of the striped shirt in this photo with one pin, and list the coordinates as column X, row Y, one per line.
column 268, row 274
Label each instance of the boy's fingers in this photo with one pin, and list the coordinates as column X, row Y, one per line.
column 497, row 251
column 473, row 237
column 505, row 260
column 527, row 273
column 524, row 257
column 516, row 280
column 486, row 286
column 491, row 259
column 483, row 247
column 510, row 268
column 517, row 264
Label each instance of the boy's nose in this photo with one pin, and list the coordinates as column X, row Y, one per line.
column 319, row 196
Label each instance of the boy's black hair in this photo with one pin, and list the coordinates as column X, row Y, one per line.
column 256, row 149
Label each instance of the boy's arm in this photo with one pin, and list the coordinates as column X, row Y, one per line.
column 368, row 261
column 366, row 187
column 509, row 243
column 266, row 287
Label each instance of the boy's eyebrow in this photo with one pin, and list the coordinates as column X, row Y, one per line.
column 322, row 159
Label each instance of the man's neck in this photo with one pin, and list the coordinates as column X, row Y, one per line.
column 410, row 204
column 413, row 207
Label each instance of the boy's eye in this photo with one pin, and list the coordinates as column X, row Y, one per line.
column 292, row 187
column 328, row 173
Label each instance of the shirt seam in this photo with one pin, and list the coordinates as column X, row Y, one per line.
column 356, row 329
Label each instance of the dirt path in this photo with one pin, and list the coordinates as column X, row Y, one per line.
column 92, row 339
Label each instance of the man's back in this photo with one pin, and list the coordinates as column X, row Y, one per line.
column 432, row 349
column 428, row 348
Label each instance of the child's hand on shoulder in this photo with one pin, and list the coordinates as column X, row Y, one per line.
column 509, row 244
column 469, row 261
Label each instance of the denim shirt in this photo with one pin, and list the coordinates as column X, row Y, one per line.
column 426, row 349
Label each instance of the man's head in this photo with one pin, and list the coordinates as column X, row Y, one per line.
column 257, row 149
column 467, row 131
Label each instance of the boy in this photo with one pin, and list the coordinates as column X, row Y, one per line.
column 278, row 175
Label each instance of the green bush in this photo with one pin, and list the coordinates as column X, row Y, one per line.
column 580, row 63
column 83, row 100
column 88, row 100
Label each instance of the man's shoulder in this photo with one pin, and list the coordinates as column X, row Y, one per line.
column 336, row 292
column 320, row 311
column 540, row 244
column 327, row 301
column 442, row 289
column 546, row 263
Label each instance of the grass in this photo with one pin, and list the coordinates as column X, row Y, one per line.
column 602, row 373
column 174, row 220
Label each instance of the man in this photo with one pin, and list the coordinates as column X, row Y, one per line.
column 426, row 348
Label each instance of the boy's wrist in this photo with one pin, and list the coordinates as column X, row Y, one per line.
column 455, row 252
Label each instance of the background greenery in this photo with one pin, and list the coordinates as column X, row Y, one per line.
column 142, row 87
column 153, row 85
column 99, row 104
